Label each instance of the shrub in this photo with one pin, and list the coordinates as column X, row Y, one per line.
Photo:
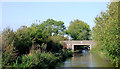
column 8, row 51
column 36, row 60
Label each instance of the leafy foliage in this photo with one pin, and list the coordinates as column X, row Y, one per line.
column 107, row 32
column 49, row 27
column 35, row 60
column 33, row 46
column 53, row 43
column 79, row 30
column 9, row 53
column 53, row 26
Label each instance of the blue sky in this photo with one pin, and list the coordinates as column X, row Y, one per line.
column 16, row 14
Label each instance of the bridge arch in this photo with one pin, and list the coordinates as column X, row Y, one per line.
column 72, row 44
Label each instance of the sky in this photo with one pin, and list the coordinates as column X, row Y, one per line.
column 16, row 14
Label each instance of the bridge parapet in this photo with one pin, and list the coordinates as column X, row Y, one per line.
column 84, row 42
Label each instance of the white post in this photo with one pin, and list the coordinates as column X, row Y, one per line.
column 90, row 47
column 72, row 47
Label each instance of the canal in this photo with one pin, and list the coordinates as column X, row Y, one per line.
column 85, row 59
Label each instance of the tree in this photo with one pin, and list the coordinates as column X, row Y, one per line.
column 56, row 27
column 79, row 30
column 46, row 28
column 107, row 32
column 44, row 33
column 22, row 42
column 31, row 31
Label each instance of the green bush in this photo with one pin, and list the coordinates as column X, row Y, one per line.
column 36, row 59
column 8, row 50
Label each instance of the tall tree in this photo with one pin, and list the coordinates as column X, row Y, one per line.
column 46, row 28
column 56, row 27
column 107, row 32
column 79, row 30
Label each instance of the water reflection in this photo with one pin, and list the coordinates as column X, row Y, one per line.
column 86, row 59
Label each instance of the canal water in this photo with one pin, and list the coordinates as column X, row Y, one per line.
column 85, row 59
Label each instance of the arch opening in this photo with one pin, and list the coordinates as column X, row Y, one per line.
column 81, row 48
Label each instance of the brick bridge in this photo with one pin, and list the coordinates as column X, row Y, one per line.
column 71, row 44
